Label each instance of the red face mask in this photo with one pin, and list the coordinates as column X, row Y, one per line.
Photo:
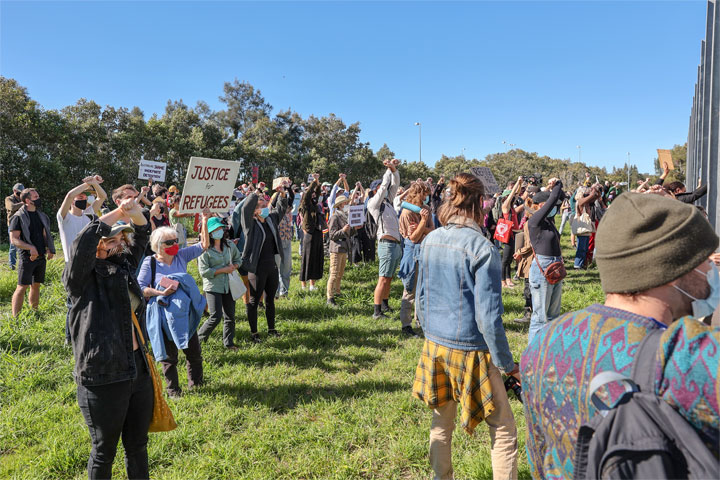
column 173, row 250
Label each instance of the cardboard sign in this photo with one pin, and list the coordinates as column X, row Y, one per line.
column 278, row 182
column 665, row 158
column 150, row 170
column 488, row 179
column 356, row 215
column 209, row 183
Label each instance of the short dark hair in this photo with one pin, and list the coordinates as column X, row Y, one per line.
column 119, row 193
column 25, row 194
column 672, row 186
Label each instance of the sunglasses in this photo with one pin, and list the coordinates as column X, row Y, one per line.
column 170, row 242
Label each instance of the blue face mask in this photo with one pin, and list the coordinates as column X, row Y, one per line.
column 704, row 307
column 217, row 234
column 264, row 212
column 427, row 199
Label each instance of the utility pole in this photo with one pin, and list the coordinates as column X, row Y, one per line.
column 419, row 139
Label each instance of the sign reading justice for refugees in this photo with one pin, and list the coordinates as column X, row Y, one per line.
column 209, row 183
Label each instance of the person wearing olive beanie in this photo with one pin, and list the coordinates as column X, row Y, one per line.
column 652, row 253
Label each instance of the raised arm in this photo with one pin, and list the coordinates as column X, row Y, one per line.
column 507, row 204
column 70, row 196
column 100, row 194
column 248, row 212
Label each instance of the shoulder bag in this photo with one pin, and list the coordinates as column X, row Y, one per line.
column 162, row 418
column 555, row 272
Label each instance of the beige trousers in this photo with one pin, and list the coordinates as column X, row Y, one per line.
column 337, row 270
column 503, row 434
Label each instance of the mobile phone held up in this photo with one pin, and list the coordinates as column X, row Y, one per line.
column 166, row 283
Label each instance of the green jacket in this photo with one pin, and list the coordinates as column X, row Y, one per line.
column 212, row 260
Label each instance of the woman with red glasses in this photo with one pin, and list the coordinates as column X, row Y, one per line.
column 171, row 261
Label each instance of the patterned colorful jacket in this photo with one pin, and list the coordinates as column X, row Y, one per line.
column 562, row 359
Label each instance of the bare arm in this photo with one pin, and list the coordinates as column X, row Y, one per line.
column 100, row 196
column 69, row 197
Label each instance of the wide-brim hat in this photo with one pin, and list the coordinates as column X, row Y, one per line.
column 341, row 200
column 214, row 223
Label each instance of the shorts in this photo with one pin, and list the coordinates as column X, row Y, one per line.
column 389, row 255
column 31, row 271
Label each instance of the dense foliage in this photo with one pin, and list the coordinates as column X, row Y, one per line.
column 51, row 149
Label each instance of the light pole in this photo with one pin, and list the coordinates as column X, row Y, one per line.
column 463, row 152
column 628, row 169
column 579, row 154
column 419, row 139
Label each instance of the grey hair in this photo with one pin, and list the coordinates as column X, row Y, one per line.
column 159, row 235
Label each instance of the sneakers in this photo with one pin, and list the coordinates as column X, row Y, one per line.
column 273, row 333
column 385, row 308
column 525, row 319
column 331, row 303
column 377, row 316
column 255, row 338
column 408, row 330
column 174, row 394
column 312, row 288
column 232, row 348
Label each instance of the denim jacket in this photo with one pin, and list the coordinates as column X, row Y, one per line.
column 459, row 300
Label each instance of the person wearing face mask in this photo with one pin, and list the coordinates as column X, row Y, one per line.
column 114, row 387
column 215, row 267
column 414, row 227
column 262, row 243
column 72, row 218
column 652, row 254
column 341, row 235
column 171, row 261
column 30, row 233
column 12, row 205
column 545, row 242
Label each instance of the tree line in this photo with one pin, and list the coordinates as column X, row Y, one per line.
column 52, row 149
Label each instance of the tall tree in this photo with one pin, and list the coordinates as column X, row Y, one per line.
column 245, row 105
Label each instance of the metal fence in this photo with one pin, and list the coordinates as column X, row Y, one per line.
column 703, row 137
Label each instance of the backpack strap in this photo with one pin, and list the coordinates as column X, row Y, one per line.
column 644, row 363
column 602, row 379
column 153, row 267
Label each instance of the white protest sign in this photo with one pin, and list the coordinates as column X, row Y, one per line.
column 488, row 179
column 209, row 183
column 356, row 215
column 150, row 170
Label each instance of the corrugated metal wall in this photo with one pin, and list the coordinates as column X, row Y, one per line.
column 703, row 136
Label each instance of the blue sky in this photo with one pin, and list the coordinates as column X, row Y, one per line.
column 612, row 77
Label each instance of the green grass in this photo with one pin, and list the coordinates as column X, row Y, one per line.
column 329, row 399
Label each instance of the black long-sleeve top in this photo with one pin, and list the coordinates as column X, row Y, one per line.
column 544, row 237
column 690, row 197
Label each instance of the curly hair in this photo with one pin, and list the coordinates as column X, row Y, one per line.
column 466, row 197
column 417, row 193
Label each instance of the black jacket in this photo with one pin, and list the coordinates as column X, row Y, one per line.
column 254, row 233
column 100, row 319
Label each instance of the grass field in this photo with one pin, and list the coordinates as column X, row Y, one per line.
column 329, row 399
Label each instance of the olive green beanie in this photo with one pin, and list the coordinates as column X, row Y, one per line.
column 646, row 240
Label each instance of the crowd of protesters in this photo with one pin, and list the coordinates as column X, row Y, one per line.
column 452, row 244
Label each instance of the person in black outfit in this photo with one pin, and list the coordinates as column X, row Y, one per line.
column 30, row 233
column 114, row 387
column 262, row 243
column 545, row 241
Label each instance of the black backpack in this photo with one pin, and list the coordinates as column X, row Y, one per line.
column 643, row 436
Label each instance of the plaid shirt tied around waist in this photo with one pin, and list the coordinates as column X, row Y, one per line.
column 445, row 374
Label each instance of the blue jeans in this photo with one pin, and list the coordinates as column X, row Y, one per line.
column 285, row 268
column 12, row 252
column 567, row 216
column 546, row 298
column 583, row 242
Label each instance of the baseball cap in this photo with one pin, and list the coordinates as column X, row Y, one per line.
column 120, row 227
column 19, row 187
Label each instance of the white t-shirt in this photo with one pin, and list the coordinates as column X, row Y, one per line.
column 69, row 228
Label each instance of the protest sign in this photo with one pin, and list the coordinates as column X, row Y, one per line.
column 255, row 173
column 150, row 170
column 278, row 182
column 209, row 183
column 488, row 179
column 356, row 215
column 665, row 158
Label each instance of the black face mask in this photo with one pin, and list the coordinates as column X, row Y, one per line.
column 37, row 203
column 81, row 204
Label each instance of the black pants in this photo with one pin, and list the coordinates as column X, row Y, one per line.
column 507, row 258
column 193, row 360
column 121, row 409
column 264, row 281
column 220, row 306
column 366, row 247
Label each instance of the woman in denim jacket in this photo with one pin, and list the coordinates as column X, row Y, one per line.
column 459, row 305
